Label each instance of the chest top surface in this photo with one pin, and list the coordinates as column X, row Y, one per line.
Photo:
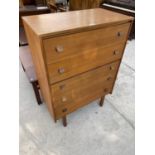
column 59, row 23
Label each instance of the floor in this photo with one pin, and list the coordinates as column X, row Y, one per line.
column 92, row 130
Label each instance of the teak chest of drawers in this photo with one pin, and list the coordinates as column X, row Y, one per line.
column 76, row 55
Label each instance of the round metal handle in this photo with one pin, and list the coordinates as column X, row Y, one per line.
column 64, row 110
column 112, row 68
column 61, row 70
column 106, row 90
column 116, row 52
column 59, row 49
column 64, row 99
column 119, row 34
column 109, row 78
column 62, row 86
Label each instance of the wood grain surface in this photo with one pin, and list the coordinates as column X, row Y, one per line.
column 48, row 25
column 76, row 55
column 40, row 68
column 75, row 44
column 76, row 88
column 83, row 62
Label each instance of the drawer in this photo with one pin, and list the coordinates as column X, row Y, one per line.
column 82, row 101
column 79, row 89
column 83, row 62
column 64, row 46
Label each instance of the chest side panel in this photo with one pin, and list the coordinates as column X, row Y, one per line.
column 37, row 55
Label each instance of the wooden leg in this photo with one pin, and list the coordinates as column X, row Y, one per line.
column 36, row 91
column 64, row 121
column 23, row 68
column 101, row 101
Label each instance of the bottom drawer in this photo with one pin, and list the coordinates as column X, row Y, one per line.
column 82, row 101
column 73, row 93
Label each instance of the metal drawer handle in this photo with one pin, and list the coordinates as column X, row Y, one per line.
column 119, row 34
column 59, row 49
column 109, row 78
column 116, row 52
column 61, row 70
column 112, row 68
column 64, row 110
column 106, row 90
column 62, row 86
column 64, row 99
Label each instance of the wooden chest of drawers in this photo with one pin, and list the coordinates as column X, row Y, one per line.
column 76, row 56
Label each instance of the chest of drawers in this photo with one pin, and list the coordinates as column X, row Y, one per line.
column 76, row 56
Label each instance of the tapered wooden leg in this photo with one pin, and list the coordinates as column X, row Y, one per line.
column 36, row 92
column 102, row 101
column 23, row 68
column 64, row 121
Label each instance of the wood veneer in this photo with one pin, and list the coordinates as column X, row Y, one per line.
column 76, row 56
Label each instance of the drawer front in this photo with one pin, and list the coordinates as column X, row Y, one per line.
column 64, row 46
column 84, row 88
column 83, row 62
column 82, row 101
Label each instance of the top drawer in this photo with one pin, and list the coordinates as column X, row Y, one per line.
column 59, row 47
